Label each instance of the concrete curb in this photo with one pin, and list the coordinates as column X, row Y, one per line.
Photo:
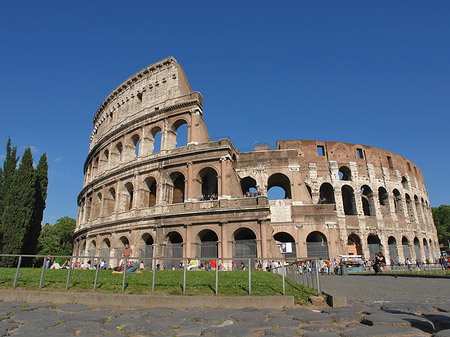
column 335, row 301
column 148, row 301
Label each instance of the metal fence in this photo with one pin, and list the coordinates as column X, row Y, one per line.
column 301, row 271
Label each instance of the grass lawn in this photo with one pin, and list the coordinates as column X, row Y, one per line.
column 168, row 282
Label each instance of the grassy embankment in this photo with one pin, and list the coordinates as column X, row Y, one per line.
column 168, row 282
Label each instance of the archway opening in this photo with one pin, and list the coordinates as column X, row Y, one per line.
column 317, row 246
column 147, row 250
column 354, row 245
column 150, row 192
column 326, row 194
column 406, row 249
column 173, row 250
column 178, row 187
column 279, row 187
column 383, row 198
column 135, row 140
column 106, row 251
column 345, row 173
column 129, row 196
column 348, row 200
column 417, row 249
column 393, row 250
column 248, row 185
column 286, row 245
column 207, row 247
column 374, row 243
column 425, row 249
column 367, row 200
column 244, row 246
column 208, row 177
column 180, row 128
column 155, row 142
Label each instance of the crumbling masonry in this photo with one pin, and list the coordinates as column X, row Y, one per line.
column 189, row 201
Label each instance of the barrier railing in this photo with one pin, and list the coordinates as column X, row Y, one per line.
column 421, row 269
column 301, row 271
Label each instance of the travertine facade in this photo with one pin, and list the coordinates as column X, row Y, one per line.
column 150, row 196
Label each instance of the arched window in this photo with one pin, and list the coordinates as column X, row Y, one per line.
column 383, row 198
column 129, row 196
column 348, row 200
column 326, row 194
column 345, row 173
column 135, row 141
column 367, row 201
column 177, row 187
column 404, row 182
column 106, row 251
column 409, row 206
column 418, row 209
column 92, row 248
column 208, row 177
column 279, row 187
column 286, row 244
column 317, row 247
column 180, row 131
column 150, row 192
column 119, row 149
column 398, row 204
column 155, row 141
column 425, row 249
column 247, row 184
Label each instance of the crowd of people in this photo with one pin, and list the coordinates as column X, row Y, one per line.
column 209, row 197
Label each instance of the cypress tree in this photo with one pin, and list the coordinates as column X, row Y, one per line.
column 41, row 184
column 18, row 212
column 7, row 185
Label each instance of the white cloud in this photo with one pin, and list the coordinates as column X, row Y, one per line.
column 58, row 159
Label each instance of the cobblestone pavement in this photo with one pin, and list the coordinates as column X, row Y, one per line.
column 407, row 313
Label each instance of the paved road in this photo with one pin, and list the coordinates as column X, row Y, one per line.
column 375, row 288
column 410, row 307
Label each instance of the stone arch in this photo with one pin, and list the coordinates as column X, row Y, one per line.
column 398, row 203
column 417, row 249
column 374, row 243
column 105, row 248
column 326, row 192
column 135, row 142
column 92, row 249
column 406, row 248
column 367, row 201
column 150, row 189
column 208, row 178
column 286, row 243
column 383, row 199
column 119, row 151
column 207, row 246
column 155, row 141
column 404, row 182
column 282, row 181
column 426, row 250
column 247, row 184
column 345, row 173
column 177, row 141
column 110, row 201
column 418, row 209
column 128, row 196
column 354, row 245
column 177, row 187
column 348, row 200
column 317, row 245
column 146, row 252
column 393, row 250
column 409, row 206
column 244, row 245
column 173, row 250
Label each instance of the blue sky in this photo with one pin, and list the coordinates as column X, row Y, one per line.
column 366, row 72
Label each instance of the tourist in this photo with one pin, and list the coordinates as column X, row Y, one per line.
column 242, row 266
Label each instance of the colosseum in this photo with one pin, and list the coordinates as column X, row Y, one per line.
column 197, row 198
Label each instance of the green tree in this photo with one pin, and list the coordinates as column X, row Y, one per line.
column 19, row 205
column 7, row 184
column 57, row 239
column 441, row 217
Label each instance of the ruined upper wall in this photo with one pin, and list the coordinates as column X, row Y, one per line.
column 157, row 86
column 362, row 155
